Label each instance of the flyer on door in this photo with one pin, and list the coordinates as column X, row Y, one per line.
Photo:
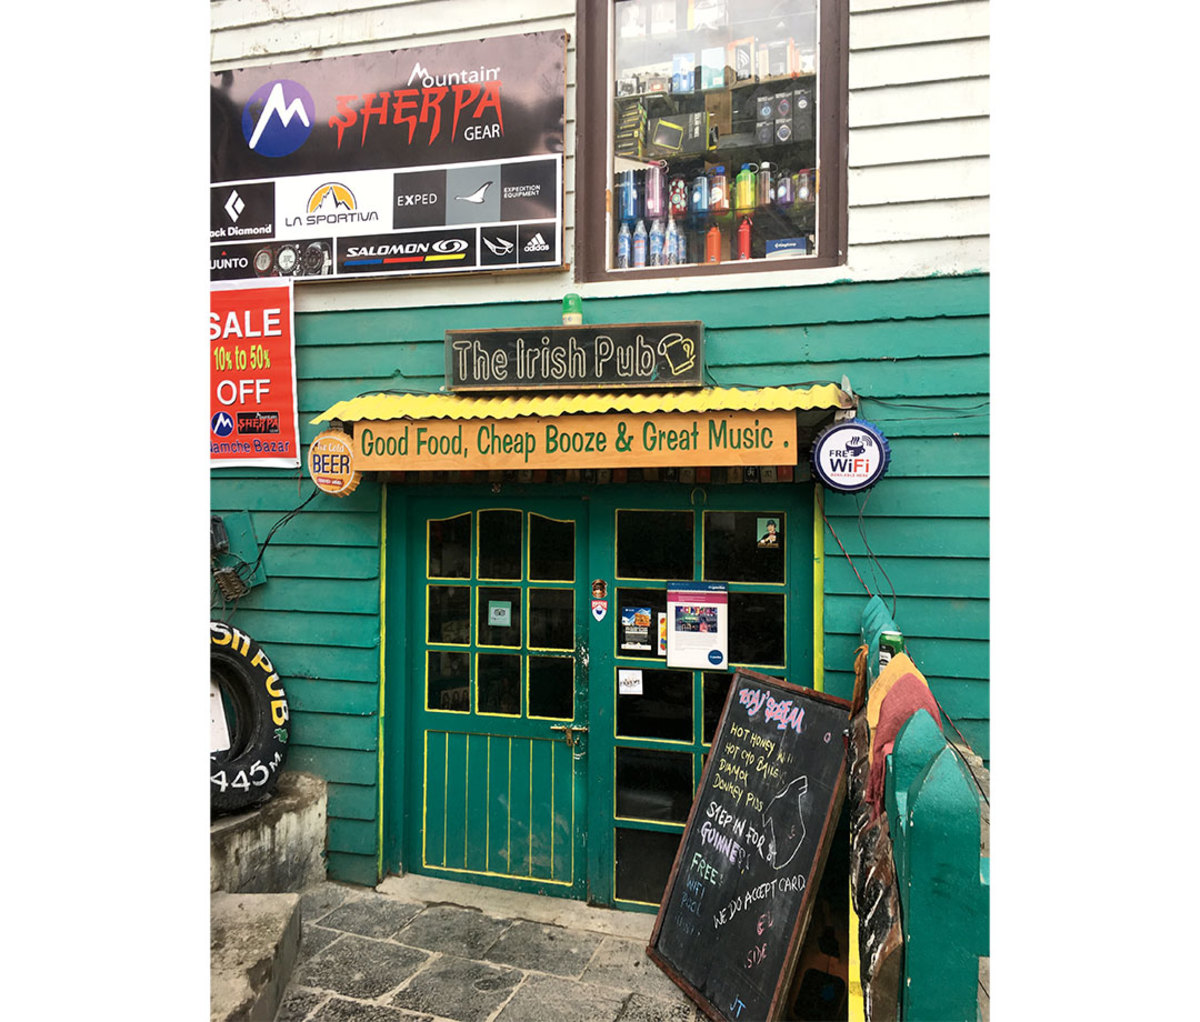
column 698, row 625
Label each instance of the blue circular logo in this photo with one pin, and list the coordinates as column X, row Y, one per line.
column 278, row 118
column 715, row 656
column 221, row 424
column 851, row 456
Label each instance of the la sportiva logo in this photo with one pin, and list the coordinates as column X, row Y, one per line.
column 331, row 203
column 278, row 118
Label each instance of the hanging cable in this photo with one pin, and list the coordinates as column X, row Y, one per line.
column 870, row 553
column 849, row 559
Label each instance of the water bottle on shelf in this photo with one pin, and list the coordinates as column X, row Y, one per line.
column 699, row 202
column 623, row 246
column 784, row 189
column 712, row 245
column 743, row 187
column 654, row 184
column 718, row 192
column 743, row 238
column 657, row 237
column 671, row 243
column 639, row 244
column 763, row 192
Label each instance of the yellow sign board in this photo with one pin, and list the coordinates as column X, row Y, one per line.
column 577, row 441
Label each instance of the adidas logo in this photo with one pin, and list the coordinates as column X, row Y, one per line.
column 537, row 244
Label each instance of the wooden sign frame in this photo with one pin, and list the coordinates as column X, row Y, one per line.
column 730, row 879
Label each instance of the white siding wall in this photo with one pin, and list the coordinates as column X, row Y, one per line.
column 918, row 140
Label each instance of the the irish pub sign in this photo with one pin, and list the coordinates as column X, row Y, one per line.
column 620, row 355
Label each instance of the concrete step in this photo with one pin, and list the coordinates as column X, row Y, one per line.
column 255, row 940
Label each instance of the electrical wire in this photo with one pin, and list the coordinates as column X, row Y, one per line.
column 941, row 709
column 862, row 506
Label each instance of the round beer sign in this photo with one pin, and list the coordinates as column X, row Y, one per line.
column 851, row 456
column 331, row 463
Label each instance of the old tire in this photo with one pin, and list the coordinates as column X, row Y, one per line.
column 256, row 714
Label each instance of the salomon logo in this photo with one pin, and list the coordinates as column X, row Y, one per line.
column 278, row 118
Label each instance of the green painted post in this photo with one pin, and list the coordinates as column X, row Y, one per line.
column 918, row 741
column 946, row 918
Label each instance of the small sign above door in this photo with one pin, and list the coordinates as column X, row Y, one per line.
column 619, row 355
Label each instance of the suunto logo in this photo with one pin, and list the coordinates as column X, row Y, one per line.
column 278, row 118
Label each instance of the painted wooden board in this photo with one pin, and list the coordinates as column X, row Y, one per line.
column 740, row 894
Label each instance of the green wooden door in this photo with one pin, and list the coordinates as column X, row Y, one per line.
column 647, row 744
column 498, row 669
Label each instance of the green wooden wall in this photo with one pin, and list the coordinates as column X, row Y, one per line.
column 915, row 351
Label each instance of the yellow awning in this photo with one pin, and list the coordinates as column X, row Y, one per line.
column 382, row 407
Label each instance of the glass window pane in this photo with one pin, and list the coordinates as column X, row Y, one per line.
column 663, row 710
column 631, row 642
column 714, row 132
column 644, row 860
column 744, row 546
column 498, row 618
column 500, row 544
column 551, row 550
column 499, row 684
column 654, row 785
column 552, row 618
column 654, row 544
column 716, row 688
column 552, row 687
column 450, row 614
column 448, row 680
column 450, row 547
column 757, row 632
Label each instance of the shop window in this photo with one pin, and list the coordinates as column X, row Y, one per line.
column 757, row 629
column 654, row 785
column 551, row 619
column 723, row 121
column 499, row 683
column 551, row 550
column 643, row 863
column 448, row 682
column 450, row 614
column 744, row 546
column 552, row 687
column 633, row 606
column 450, row 547
column 654, row 544
column 500, row 544
column 498, row 617
column 716, row 689
column 663, row 709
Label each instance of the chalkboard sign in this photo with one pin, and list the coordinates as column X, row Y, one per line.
column 739, row 897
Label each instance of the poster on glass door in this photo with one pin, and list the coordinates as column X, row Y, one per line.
column 698, row 625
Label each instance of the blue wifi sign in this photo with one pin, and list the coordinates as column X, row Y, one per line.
column 278, row 118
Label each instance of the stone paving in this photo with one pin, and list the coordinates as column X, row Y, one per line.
column 441, row 952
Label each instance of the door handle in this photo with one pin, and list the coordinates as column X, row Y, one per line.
column 569, row 732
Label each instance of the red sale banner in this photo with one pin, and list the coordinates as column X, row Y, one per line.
column 253, row 375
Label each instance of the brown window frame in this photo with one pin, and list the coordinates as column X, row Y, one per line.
column 593, row 179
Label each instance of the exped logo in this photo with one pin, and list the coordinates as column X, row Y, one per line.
column 278, row 118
